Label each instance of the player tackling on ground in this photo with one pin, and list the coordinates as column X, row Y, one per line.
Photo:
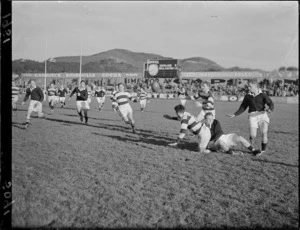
column 256, row 100
column 199, row 129
column 81, row 100
column 125, row 109
column 35, row 104
column 224, row 142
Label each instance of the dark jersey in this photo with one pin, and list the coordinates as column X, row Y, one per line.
column 36, row 94
column 81, row 94
column 62, row 92
column 100, row 93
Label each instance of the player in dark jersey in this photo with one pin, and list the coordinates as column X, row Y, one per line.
column 62, row 92
column 259, row 105
column 81, row 100
column 100, row 96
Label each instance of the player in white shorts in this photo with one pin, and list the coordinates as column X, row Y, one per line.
column 62, row 92
column 15, row 91
column 81, row 100
column 100, row 96
column 182, row 94
column 52, row 96
column 224, row 142
column 259, row 105
column 36, row 99
column 143, row 99
column 125, row 109
column 114, row 103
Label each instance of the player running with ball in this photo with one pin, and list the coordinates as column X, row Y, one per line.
column 35, row 105
column 256, row 100
column 125, row 109
column 81, row 101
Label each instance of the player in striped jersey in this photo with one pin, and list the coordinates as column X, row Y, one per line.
column 52, row 96
column 81, row 100
column 89, row 90
column 182, row 95
column 62, row 92
column 143, row 99
column 207, row 101
column 15, row 91
column 100, row 96
column 125, row 109
column 36, row 99
column 199, row 129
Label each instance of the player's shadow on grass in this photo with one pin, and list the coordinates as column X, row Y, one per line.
column 274, row 162
column 101, row 119
column 18, row 125
column 282, row 132
column 71, row 122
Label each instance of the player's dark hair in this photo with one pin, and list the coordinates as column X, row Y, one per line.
column 253, row 81
column 179, row 108
column 82, row 81
column 208, row 114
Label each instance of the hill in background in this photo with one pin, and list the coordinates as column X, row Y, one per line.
column 115, row 60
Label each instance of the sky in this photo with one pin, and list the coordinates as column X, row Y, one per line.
column 246, row 34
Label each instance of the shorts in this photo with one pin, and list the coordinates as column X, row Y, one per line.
column 51, row 98
column 14, row 99
column 114, row 104
column 227, row 139
column 89, row 100
column 62, row 99
column 257, row 118
column 143, row 102
column 125, row 109
column 82, row 105
column 100, row 100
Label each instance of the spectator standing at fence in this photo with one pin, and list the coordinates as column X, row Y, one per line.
column 36, row 99
column 256, row 100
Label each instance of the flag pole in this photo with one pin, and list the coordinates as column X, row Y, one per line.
column 45, row 81
column 80, row 69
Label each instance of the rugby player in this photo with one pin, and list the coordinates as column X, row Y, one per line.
column 143, row 99
column 100, row 96
column 125, row 109
column 15, row 91
column 52, row 96
column 36, row 99
column 256, row 100
column 182, row 94
column 224, row 142
column 207, row 101
column 62, row 92
column 114, row 103
column 199, row 129
column 81, row 100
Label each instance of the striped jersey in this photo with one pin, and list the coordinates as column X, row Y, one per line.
column 89, row 93
column 143, row 95
column 113, row 96
column 188, row 121
column 62, row 92
column 181, row 93
column 15, row 91
column 100, row 93
column 52, row 91
column 208, row 100
column 122, row 97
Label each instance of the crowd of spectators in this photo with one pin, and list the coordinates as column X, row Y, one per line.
column 272, row 88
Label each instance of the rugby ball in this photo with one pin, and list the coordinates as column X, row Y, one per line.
column 155, row 87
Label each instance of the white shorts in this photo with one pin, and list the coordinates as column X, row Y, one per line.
column 114, row 104
column 143, row 102
column 257, row 118
column 35, row 106
column 51, row 98
column 204, row 137
column 182, row 102
column 82, row 105
column 89, row 100
column 62, row 99
column 15, row 99
column 227, row 139
column 100, row 100
column 125, row 109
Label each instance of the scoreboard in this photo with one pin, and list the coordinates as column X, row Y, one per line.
column 161, row 68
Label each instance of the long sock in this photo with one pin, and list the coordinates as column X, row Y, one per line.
column 263, row 146
column 80, row 114
column 86, row 115
column 251, row 140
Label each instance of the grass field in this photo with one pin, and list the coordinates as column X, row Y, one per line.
column 68, row 174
